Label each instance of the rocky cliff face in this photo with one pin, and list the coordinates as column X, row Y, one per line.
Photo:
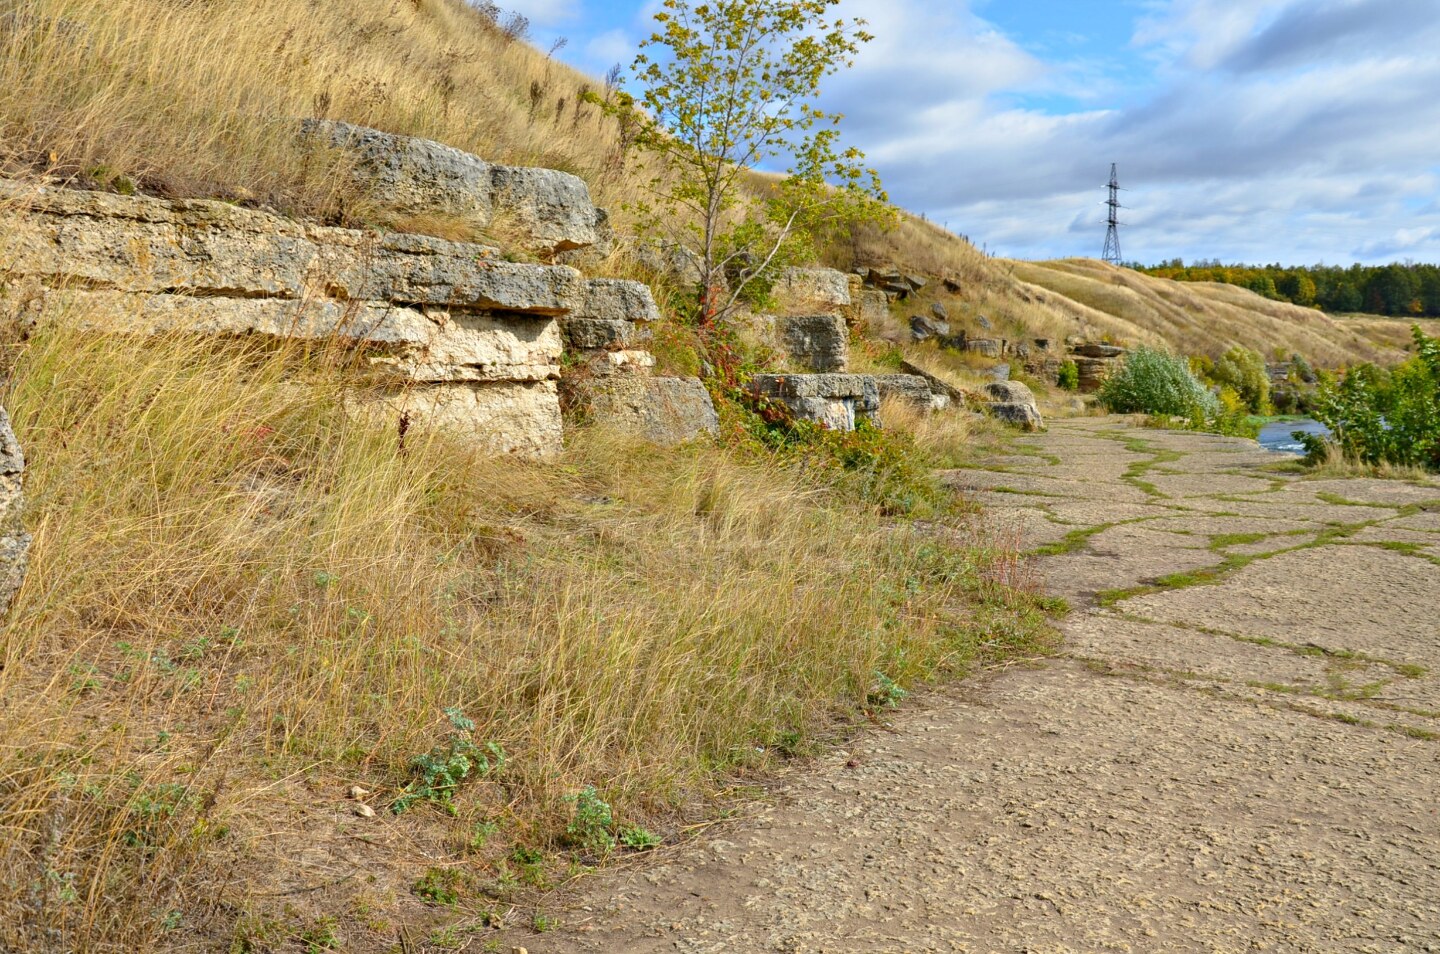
column 472, row 341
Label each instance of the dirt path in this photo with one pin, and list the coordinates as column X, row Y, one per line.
column 1245, row 758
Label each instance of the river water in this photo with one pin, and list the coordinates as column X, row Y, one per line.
column 1276, row 436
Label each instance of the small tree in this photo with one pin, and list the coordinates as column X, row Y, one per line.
column 729, row 85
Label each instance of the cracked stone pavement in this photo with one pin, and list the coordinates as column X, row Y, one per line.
column 1246, row 758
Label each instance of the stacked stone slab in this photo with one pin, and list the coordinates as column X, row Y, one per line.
column 815, row 342
column 1095, row 361
column 912, row 389
column 469, row 340
column 618, row 388
column 543, row 211
column 834, row 401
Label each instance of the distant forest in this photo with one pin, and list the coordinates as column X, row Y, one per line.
column 1409, row 290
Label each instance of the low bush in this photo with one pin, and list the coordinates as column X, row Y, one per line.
column 1069, row 378
column 1151, row 381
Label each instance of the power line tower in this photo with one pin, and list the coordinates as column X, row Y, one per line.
column 1112, row 237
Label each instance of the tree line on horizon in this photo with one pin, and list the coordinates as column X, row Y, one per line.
column 1401, row 289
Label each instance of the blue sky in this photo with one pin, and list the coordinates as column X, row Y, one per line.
column 1297, row 131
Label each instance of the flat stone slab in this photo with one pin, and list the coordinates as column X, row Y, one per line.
column 1338, row 597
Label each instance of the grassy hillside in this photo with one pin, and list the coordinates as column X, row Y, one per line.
column 1200, row 318
column 201, row 99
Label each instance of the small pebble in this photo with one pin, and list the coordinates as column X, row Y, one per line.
column 364, row 811
column 357, row 792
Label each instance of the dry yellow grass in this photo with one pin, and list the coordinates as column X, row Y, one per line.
column 1201, row 318
column 202, row 99
column 242, row 601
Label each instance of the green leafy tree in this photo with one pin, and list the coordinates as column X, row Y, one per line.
column 1386, row 417
column 730, row 86
column 1244, row 371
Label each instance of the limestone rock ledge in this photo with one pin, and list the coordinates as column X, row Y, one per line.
column 550, row 211
column 440, row 314
column 835, row 401
column 664, row 411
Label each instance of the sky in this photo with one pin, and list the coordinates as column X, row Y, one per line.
column 1292, row 131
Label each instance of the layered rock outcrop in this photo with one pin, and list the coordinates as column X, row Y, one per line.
column 541, row 210
column 834, row 401
column 472, row 341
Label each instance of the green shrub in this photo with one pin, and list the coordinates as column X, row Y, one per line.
column 1233, row 418
column 1157, row 382
column 1381, row 417
column 590, row 826
column 1069, row 376
column 441, row 770
column 1244, row 371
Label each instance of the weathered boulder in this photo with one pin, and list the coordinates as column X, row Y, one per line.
column 812, row 289
column 984, row 322
column 816, row 342
column 938, row 386
column 923, row 328
column 912, row 389
column 1000, row 372
column 14, row 541
column 664, row 411
column 938, row 310
column 871, row 307
column 835, row 401
column 545, row 211
column 1024, row 416
column 989, row 347
column 1009, row 392
column 1014, row 403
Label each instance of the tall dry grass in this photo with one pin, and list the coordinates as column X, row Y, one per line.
column 1204, row 318
column 241, row 597
column 202, row 99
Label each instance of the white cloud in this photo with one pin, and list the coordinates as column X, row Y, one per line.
column 609, row 48
column 1294, row 130
column 544, row 13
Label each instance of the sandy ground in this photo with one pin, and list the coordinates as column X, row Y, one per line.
column 1240, row 761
